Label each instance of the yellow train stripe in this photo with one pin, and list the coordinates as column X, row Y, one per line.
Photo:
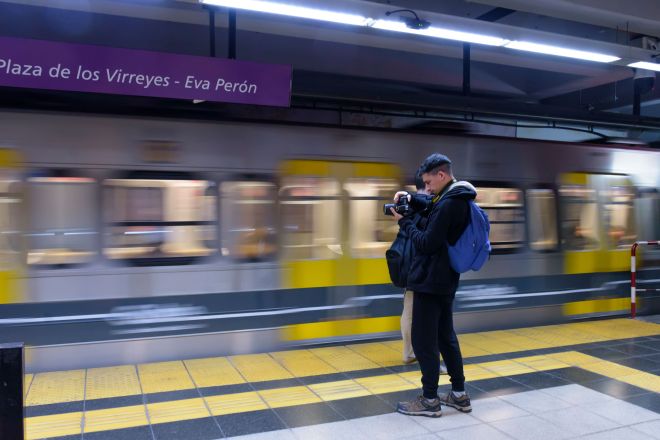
column 596, row 306
column 103, row 383
column 330, row 329
column 164, row 376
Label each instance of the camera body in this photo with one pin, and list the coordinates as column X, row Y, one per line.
column 402, row 207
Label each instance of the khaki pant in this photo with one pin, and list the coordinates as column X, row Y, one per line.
column 406, row 325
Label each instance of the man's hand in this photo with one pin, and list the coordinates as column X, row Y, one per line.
column 400, row 194
column 396, row 215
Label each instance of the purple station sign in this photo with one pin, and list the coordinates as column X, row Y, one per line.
column 40, row 64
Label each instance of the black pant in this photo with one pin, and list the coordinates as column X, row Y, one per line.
column 433, row 332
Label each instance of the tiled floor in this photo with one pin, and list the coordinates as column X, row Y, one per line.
column 565, row 412
column 561, row 381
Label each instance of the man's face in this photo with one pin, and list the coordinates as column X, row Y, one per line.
column 434, row 182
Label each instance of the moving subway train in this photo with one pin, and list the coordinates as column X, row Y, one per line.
column 156, row 239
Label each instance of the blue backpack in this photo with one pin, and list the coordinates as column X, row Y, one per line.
column 473, row 248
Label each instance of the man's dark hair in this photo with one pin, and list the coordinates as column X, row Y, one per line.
column 419, row 182
column 434, row 163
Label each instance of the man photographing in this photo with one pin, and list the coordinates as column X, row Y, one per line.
column 434, row 284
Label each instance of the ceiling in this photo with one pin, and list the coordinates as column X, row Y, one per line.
column 359, row 66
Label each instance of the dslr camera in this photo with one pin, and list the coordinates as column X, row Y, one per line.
column 402, row 207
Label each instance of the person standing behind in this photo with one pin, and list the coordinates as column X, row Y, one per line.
column 406, row 315
column 435, row 283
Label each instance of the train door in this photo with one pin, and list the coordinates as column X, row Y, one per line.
column 597, row 222
column 333, row 230
column 11, row 254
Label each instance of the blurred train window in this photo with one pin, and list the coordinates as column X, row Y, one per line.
column 157, row 220
column 504, row 207
column 311, row 218
column 542, row 219
column 249, row 218
column 62, row 213
column 620, row 216
column 372, row 232
column 10, row 233
column 579, row 218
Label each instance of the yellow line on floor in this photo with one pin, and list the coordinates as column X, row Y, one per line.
column 67, row 386
column 190, row 409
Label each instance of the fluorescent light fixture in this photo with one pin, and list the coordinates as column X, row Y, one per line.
column 645, row 65
column 292, row 11
column 436, row 32
column 561, row 51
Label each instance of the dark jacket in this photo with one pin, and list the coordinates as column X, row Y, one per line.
column 400, row 255
column 430, row 271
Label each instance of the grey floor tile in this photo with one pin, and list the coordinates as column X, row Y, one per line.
column 344, row 430
column 531, row 427
column 649, row 428
column 451, row 419
column 539, row 380
column 139, row 433
column 614, row 388
column 114, row 402
column 475, row 432
column 622, row 412
column 579, row 421
column 577, row 394
column 366, row 406
column 199, row 429
column 605, row 353
column 170, row 396
column 618, row 434
column 311, row 414
column 282, row 434
column 642, row 363
column 56, row 408
column 576, row 375
column 490, row 410
column 634, row 349
column 535, row 401
column 389, row 426
column 500, row 386
column 650, row 401
column 250, row 423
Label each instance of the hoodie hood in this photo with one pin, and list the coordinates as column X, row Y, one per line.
column 460, row 190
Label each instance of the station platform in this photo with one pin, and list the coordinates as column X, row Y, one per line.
column 592, row 380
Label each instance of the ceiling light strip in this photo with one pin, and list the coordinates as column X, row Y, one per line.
column 645, row 65
column 397, row 26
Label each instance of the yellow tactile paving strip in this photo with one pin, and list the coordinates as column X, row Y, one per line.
column 213, row 372
column 189, row 409
column 56, row 387
column 115, row 418
column 102, row 383
column 68, row 386
column 164, row 376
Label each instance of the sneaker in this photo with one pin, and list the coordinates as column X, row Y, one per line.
column 410, row 360
column 460, row 403
column 420, row 406
column 443, row 368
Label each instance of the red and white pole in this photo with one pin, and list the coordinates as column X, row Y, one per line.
column 633, row 275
